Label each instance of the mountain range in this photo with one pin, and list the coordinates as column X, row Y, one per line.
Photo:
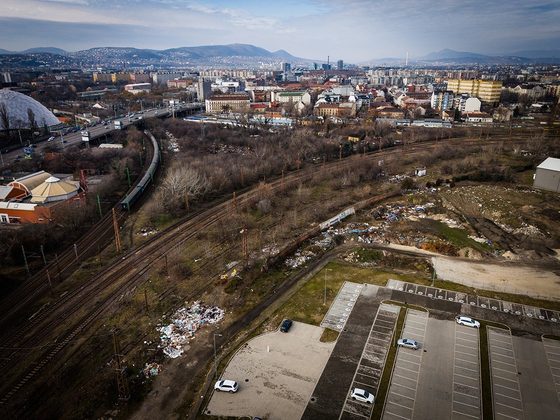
column 240, row 55
column 447, row 57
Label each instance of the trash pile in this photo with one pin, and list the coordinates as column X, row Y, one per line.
column 173, row 144
column 300, row 258
column 184, row 323
column 147, row 232
column 151, row 369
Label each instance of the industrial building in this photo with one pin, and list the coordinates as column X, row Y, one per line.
column 547, row 176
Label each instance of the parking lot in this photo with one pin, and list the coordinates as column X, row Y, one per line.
column 475, row 301
column 276, row 373
column 285, row 376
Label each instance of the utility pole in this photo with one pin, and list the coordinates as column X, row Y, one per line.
column 216, row 357
column 187, row 200
column 242, row 180
column 234, row 203
column 244, row 244
column 298, row 161
column 282, row 181
column 122, row 383
column 117, row 234
column 25, row 261
column 50, row 283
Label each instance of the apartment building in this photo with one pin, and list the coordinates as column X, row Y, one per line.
column 228, row 103
column 487, row 91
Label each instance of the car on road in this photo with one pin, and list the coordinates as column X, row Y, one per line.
column 226, row 386
column 469, row 322
column 50, row 138
column 286, row 325
column 64, row 141
column 411, row 344
column 362, row 395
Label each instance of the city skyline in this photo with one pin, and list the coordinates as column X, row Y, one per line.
column 353, row 31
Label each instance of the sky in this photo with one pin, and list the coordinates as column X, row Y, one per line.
column 350, row 30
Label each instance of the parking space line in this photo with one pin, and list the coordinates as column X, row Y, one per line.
column 467, row 361
column 401, row 395
column 400, row 405
column 509, row 406
column 466, row 395
column 396, row 415
column 357, row 414
column 404, row 386
column 503, row 386
column 465, row 414
column 463, row 376
column 462, row 384
column 410, row 370
column 507, row 396
column 464, row 403
column 465, row 352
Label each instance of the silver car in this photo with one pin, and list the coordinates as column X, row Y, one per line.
column 411, row 344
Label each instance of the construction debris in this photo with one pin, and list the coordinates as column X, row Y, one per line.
column 184, row 323
column 151, row 369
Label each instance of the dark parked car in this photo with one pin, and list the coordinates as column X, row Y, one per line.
column 286, row 325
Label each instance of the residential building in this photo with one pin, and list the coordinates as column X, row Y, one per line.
column 465, row 103
column 477, row 117
column 161, row 77
column 203, row 89
column 442, row 99
column 293, row 97
column 487, row 91
column 120, row 77
column 228, row 103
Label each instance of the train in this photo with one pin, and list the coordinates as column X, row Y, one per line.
column 146, row 178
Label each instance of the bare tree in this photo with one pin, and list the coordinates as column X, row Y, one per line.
column 32, row 120
column 4, row 117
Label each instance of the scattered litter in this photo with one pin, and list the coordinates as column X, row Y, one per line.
column 151, row 369
column 147, row 232
column 184, row 323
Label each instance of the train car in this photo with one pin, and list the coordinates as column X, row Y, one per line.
column 146, row 178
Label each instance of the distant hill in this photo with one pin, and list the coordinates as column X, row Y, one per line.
column 537, row 53
column 48, row 50
column 449, row 54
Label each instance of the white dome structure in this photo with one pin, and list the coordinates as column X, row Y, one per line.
column 17, row 106
column 53, row 189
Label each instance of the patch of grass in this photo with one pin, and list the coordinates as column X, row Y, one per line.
column 459, row 237
column 329, row 336
column 551, row 337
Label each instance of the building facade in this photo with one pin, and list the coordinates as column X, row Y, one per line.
column 228, row 103
column 487, row 91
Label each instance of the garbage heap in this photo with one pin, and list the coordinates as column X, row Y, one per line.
column 184, row 323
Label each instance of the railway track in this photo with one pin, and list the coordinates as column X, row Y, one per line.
column 141, row 259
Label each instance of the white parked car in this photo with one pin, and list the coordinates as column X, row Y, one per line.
column 362, row 395
column 226, row 386
column 405, row 342
column 50, row 139
column 469, row 322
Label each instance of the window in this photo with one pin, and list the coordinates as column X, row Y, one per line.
column 4, row 218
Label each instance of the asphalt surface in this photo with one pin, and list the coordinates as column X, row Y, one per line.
column 331, row 392
column 538, row 390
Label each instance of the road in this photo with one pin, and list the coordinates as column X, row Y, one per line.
column 72, row 139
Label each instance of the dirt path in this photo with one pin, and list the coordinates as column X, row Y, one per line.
column 540, row 280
